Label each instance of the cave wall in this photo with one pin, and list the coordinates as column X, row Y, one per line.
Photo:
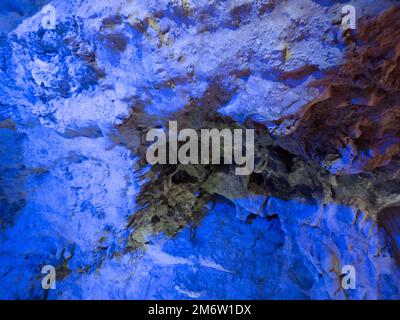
column 68, row 186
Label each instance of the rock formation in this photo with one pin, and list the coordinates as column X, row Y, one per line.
column 77, row 101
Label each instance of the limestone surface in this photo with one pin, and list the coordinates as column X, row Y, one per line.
column 77, row 100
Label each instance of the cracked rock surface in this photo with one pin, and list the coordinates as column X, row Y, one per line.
column 76, row 101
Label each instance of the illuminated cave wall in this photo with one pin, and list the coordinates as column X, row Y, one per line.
column 67, row 180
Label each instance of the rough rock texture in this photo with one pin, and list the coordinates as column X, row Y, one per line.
column 353, row 126
column 175, row 196
column 74, row 100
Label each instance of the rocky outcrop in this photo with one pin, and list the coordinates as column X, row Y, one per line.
column 175, row 196
column 353, row 126
column 76, row 101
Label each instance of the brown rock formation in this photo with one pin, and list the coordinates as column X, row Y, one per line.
column 356, row 120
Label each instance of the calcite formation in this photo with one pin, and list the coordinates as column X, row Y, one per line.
column 353, row 126
column 75, row 192
column 174, row 196
column 344, row 137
